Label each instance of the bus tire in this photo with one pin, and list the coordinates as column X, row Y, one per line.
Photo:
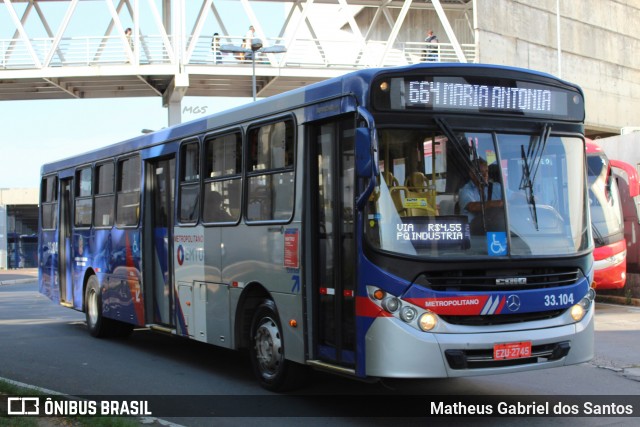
column 266, row 350
column 97, row 325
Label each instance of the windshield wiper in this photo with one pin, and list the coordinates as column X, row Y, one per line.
column 530, row 164
column 597, row 236
column 526, row 183
column 461, row 148
column 462, row 151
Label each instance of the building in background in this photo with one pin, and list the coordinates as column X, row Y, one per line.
column 18, row 228
column 592, row 43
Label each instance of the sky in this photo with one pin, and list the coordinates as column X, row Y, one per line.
column 36, row 132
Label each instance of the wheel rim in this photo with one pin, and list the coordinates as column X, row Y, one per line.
column 268, row 347
column 92, row 309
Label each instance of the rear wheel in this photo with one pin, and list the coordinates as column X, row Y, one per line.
column 274, row 372
column 93, row 309
column 98, row 326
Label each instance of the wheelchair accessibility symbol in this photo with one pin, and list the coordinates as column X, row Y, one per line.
column 497, row 243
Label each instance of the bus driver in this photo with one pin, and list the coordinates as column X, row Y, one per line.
column 470, row 200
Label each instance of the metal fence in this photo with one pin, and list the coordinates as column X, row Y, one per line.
column 305, row 53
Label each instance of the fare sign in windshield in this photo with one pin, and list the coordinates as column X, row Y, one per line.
column 441, row 232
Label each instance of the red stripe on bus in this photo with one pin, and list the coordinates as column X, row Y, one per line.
column 366, row 308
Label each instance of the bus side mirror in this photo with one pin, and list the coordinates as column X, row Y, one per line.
column 364, row 159
column 366, row 162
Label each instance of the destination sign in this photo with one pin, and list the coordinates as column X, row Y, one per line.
column 478, row 95
column 467, row 96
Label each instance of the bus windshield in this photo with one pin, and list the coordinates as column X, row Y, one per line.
column 471, row 194
column 604, row 202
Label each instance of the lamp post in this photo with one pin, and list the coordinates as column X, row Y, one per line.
column 558, row 36
column 256, row 46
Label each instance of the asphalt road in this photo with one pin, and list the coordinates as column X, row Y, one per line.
column 48, row 346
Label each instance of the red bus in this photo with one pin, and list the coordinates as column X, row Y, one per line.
column 629, row 188
column 606, row 221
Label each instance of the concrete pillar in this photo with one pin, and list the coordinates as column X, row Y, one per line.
column 172, row 98
column 175, row 112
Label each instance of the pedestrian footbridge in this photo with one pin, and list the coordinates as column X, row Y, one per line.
column 62, row 49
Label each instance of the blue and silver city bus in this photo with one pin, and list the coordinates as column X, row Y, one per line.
column 413, row 222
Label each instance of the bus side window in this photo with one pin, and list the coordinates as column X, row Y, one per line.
column 49, row 202
column 104, row 195
column 271, row 178
column 189, row 195
column 223, row 177
column 258, row 206
column 83, row 197
column 128, row 206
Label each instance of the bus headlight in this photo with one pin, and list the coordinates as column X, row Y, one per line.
column 580, row 309
column 391, row 304
column 408, row 314
column 427, row 321
column 577, row 312
column 393, row 307
column 616, row 259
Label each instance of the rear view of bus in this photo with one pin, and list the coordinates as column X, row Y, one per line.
column 606, row 221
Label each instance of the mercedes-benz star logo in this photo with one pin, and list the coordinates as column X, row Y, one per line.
column 513, row 303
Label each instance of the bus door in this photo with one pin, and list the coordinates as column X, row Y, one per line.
column 158, row 241
column 333, row 260
column 64, row 245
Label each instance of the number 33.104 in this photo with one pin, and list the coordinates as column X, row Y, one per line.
column 560, row 299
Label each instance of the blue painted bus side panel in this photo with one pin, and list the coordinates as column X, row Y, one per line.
column 119, row 259
column 112, row 255
column 81, row 261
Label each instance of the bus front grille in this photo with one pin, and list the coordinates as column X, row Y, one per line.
column 501, row 319
column 499, row 280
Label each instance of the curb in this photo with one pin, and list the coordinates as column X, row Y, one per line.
column 141, row 420
column 17, row 281
column 613, row 299
column 17, row 276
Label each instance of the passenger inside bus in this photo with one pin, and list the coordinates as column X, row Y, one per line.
column 216, row 209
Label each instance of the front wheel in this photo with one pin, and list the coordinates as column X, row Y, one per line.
column 274, row 372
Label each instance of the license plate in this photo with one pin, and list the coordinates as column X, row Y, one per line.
column 512, row 350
